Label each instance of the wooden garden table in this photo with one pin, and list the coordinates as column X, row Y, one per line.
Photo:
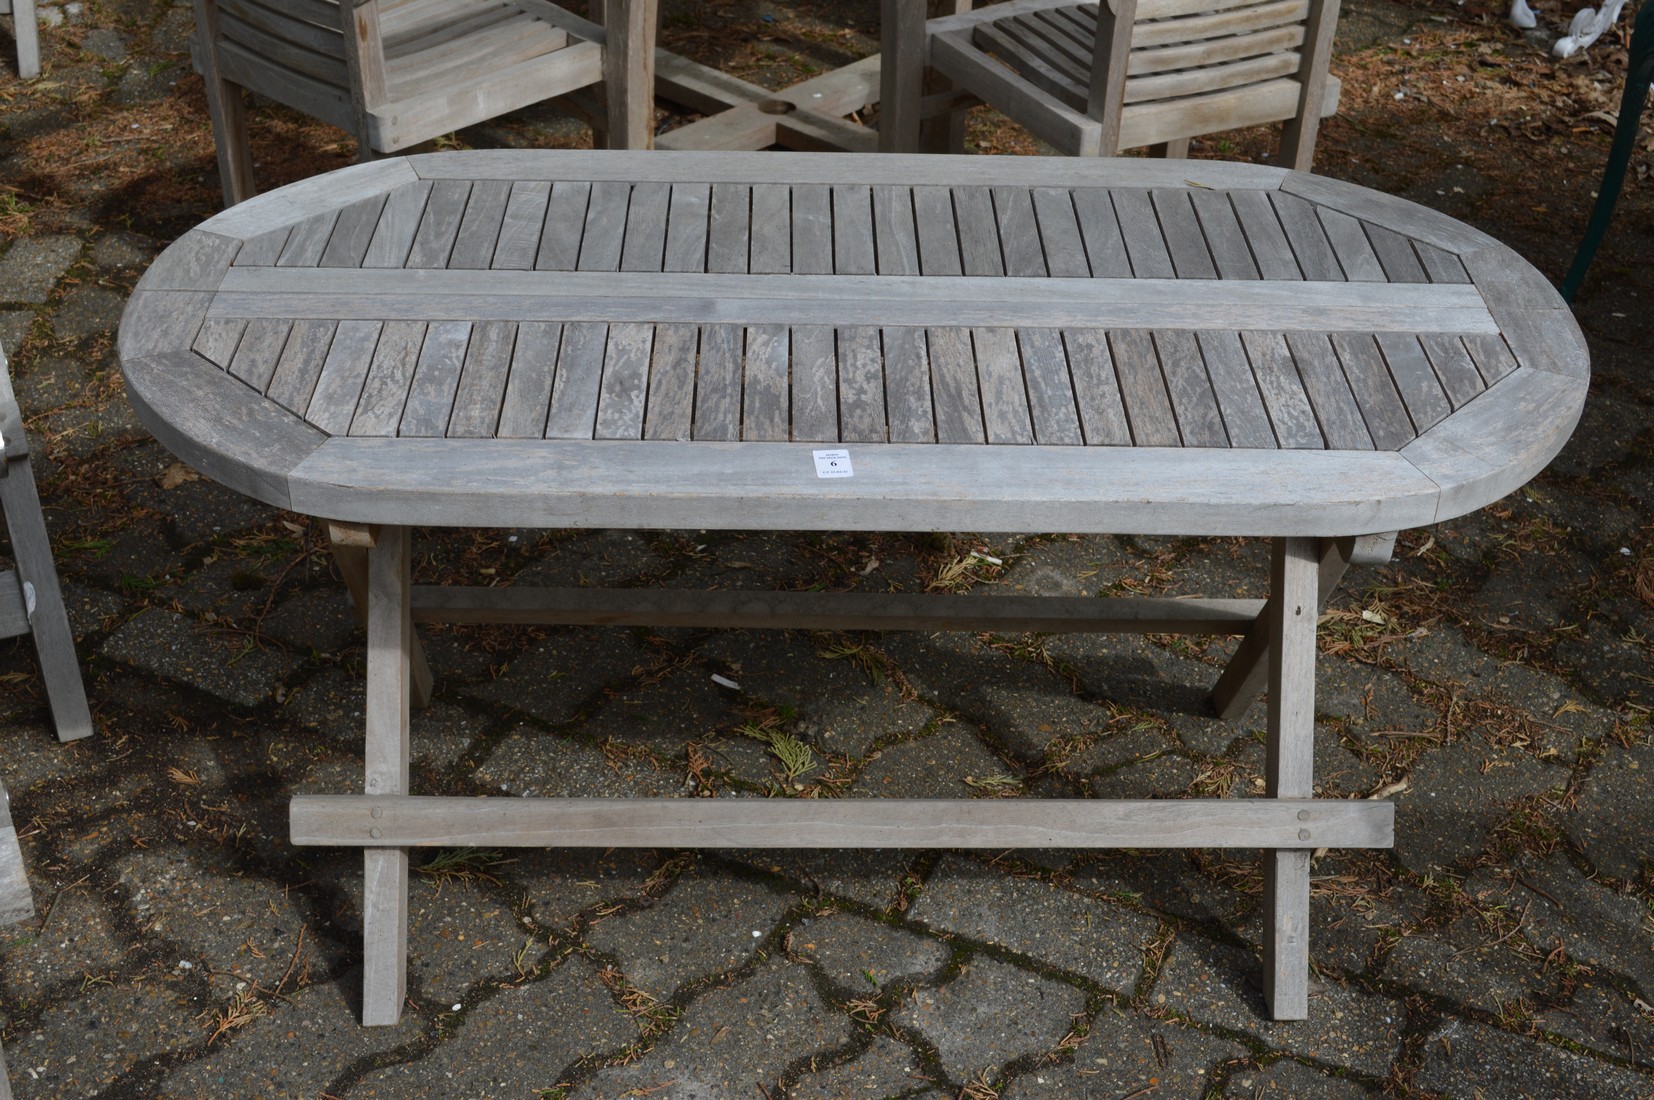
column 827, row 342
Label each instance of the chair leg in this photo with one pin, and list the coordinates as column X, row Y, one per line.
column 1176, row 149
column 385, row 880
column 1290, row 769
column 228, row 109
column 53, row 640
column 629, row 73
column 1638, row 76
column 28, row 39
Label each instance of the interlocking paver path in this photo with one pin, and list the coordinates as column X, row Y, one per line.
column 1494, row 681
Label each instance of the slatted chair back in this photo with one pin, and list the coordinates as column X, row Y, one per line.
column 27, row 34
column 399, row 72
column 1097, row 78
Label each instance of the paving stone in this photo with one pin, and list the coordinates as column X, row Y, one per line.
column 709, row 923
column 559, row 676
column 1605, row 1019
column 33, row 265
column 532, row 763
column 864, row 956
column 730, row 1040
column 989, row 1015
column 1165, row 776
column 1096, row 939
column 1026, row 721
column 459, row 934
column 1459, row 792
column 14, row 326
column 244, row 927
column 1217, row 985
column 105, row 43
column 78, row 938
column 953, row 668
column 1124, row 1054
column 293, row 1051
column 1166, row 881
column 873, row 877
column 1462, row 964
column 665, row 715
column 1338, row 771
column 331, row 700
column 1131, row 670
column 82, row 1045
column 86, row 310
column 885, row 1068
column 316, row 620
column 522, row 1039
column 560, row 884
column 931, row 767
column 1073, row 566
column 123, row 251
column 1515, row 597
column 1615, row 817
column 1462, row 1057
column 1443, row 655
column 1289, row 1080
column 168, row 644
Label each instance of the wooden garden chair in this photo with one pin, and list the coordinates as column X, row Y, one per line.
column 15, row 901
column 399, row 72
column 27, row 35
column 30, row 600
column 1092, row 79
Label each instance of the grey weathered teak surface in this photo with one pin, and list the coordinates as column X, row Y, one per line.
column 604, row 339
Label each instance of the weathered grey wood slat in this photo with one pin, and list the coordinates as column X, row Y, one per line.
column 565, row 227
column 218, row 339
column 300, row 363
column 1375, row 392
column 1421, row 391
column 895, row 236
column 1441, row 265
column 436, row 378
column 812, row 220
column 938, row 234
column 718, row 383
column 528, row 390
column 1395, row 255
column 480, row 226
column 482, row 381
column 1180, row 229
column 259, row 351
column 298, row 200
column 1459, row 376
column 1143, row 389
column 333, row 399
column 573, row 411
column 815, row 383
column 520, row 230
column 264, row 249
column 385, row 390
column 847, row 299
column 1536, row 324
column 433, row 821
column 979, row 249
column 1059, row 233
column 861, row 409
column 764, row 408
column 353, row 232
column 1140, row 228
column 1018, row 232
column 1004, row 394
column 1263, row 232
column 1245, row 419
column 1050, row 390
column 907, row 391
column 1096, row 388
column 1290, row 413
column 730, row 229
column 1224, row 237
column 854, row 250
column 1105, row 248
column 620, row 402
column 605, row 232
column 669, row 413
column 1195, row 405
column 308, row 241
column 686, row 227
column 958, row 404
column 1418, row 222
column 772, row 230
column 16, row 899
column 1329, row 392
column 393, row 237
column 1349, row 244
column 1492, row 355
column 645, row 244
column 1309, row 241
column 433, row 242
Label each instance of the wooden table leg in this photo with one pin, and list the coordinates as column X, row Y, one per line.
column 1291, row 615
column 385, row 879
column 350, row 547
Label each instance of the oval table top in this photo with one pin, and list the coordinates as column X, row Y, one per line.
column 656, row 339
